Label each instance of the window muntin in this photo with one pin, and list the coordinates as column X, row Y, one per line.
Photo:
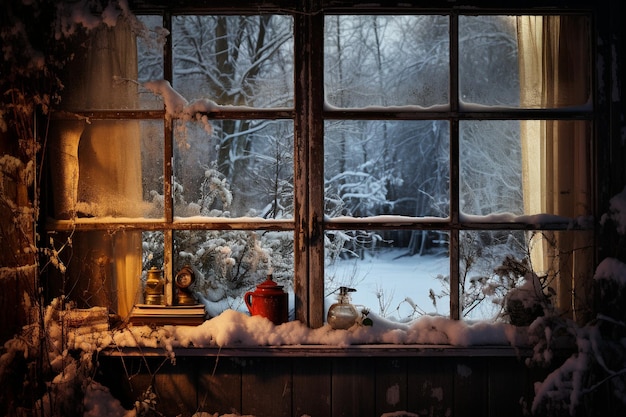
column 455, row 121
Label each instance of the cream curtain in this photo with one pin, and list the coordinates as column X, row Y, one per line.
column 99, row 163
column 555, row 74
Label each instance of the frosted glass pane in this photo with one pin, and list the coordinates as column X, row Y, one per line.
column 386, row 60
column 525, row 167
column 386, row 167
column 499, row 267
column 150, row 60
column 524, row 61
column 490, row 167
column 234, row 60
column 107, row 169
column 241, row 168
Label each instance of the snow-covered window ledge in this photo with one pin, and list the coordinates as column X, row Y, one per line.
column 234, row 333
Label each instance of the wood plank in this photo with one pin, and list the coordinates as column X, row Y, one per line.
column 219, row 385
column 470, row 387
column 430, row 386
column 508, row 387
column 353, row 387
column 266, row 387
column 391, row 385
column 312, row 387
column 175, row 388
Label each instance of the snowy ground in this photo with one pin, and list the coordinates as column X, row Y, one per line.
column 391, row 284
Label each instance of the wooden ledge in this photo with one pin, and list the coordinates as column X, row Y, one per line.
column 299, row 351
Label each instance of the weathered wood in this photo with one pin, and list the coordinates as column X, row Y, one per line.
column 311, row 386
column 266, row 385
column 470, row 386
column 509, row 387
column 353, row 387
column 391, row 385
column 219, row 385
column 431, row 386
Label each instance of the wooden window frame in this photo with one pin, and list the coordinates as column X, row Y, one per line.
column 309, row 114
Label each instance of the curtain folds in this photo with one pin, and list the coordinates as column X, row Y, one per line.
column 555, row 74
column 100, row 170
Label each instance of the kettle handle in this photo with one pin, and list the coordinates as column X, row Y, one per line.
column 247, row 298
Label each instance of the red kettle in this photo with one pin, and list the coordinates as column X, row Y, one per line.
column 269, row 301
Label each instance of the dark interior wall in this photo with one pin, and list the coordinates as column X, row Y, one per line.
column 499, row 386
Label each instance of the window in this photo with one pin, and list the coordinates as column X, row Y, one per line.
column 433, row 160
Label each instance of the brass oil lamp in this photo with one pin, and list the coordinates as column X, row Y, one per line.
column 154, row 292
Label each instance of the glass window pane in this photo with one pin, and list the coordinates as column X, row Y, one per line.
column 399, row 274
column 234, row 60
column 525, row 61
column 490, row 167
column 386, row 60
column 386, row 167
column 525, row 167
column 109, row 168
column 244, row 168
column 228, row 263
column 516, row 275
column 97, row 268
column 150, row 60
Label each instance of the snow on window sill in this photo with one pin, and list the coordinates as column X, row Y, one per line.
column 234, row 333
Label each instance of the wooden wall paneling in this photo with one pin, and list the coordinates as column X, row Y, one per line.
column 353, row 387
column 311, row 387
column 266, row 386
column 174, row 385
column 159, row 385
column 470, row 387
column 391, row 385
column 219, row 385
column 430, row 386
column 508, row 387
column 116, row 373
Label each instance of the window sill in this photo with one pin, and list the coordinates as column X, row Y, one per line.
column 301, row 351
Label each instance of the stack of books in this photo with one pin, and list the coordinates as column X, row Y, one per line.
column 159, row 315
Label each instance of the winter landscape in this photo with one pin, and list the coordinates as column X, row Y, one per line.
column 387, row 172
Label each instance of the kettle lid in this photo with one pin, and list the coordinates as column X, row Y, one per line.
column 269, row 284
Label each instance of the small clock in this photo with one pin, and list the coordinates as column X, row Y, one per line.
column 183, row 280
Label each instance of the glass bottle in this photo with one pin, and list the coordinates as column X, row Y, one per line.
column 342, row 314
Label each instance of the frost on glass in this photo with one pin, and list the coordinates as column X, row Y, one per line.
column 516, row 276
column 243, row 169
column 96, row 268
column 383, row 60
column 228, row 263
column 106, row 168
column 488, row 67
column 490, row 157
column 528, row 167
column 524, row 61
column 398, row 274
column 150, row 61
column 234, row 60
column 386, row 168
